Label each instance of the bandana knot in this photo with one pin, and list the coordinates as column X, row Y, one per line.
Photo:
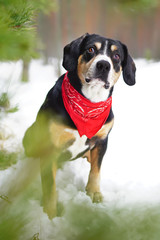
column 88, row 117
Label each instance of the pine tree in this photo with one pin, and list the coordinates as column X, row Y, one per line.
column 18, row 39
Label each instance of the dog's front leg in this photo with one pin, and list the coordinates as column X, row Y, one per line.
column 48, row 174
column 93, row 185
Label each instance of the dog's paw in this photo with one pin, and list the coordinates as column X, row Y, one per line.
column 96, row 197
column 50, row 206
column 50, row 211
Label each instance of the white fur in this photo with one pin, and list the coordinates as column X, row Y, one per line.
column 95, row 91
column 105, row 48
column 79, row 144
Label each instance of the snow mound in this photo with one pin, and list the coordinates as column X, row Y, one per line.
column 130, row 170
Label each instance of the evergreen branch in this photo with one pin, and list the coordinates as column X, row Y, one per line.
column 18, row 37
column 5, row 198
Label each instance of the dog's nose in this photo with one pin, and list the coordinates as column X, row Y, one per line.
column 103, row 66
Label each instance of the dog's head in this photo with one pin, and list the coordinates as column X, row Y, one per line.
column 99, row 61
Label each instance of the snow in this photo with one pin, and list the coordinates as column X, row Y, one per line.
column 130, row 168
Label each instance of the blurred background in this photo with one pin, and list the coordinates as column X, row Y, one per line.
column 134, row 22
column 40, row 29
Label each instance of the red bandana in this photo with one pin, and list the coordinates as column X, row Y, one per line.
column 87, row 116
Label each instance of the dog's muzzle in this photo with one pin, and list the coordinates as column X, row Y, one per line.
column 102, row 70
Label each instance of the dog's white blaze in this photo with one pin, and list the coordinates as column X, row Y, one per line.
column 79, row 144
column 105, row 48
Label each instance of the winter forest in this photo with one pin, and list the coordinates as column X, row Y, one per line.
column 32, row 37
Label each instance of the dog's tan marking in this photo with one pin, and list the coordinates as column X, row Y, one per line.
column 94, row 176
column 83, row 68
column 93, row 185
column 114, row 48
column 87, row 155
column 116, row 75
column 103, row 132
column 98, row 45
column 59, row 134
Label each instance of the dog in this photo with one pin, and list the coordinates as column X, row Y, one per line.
column 76, row 117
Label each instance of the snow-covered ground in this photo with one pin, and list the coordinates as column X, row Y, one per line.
column 130, row 170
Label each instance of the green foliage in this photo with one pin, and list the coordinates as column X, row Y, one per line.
column 5, row 104
column 14, row 205
column 13, row 218
column 18, row 39
column 4, row 100
column 12, row 110
column 113, row 223
column 11, row 225
column 45, row 6
column 137, row 5
column 148, row 54
column 36, row 236
column 7, row 159
column 5, row 198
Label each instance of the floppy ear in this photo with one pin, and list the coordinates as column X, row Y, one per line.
column 128, row 68
column 71, row 53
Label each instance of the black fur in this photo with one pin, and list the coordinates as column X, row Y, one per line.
column 129, row 68
column 71, row 53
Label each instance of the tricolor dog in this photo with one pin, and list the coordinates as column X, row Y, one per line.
column 76, row 116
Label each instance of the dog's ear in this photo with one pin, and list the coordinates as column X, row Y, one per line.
column 128, row 67
column 71, row 53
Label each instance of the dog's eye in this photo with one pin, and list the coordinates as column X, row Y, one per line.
column 116, row 57
column 91, row 50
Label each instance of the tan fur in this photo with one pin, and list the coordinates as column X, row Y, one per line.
column 87, row 155
column 114, row 48
column 117, row 75
column 93, row 185
column 104, row 131
column 98, row 45
column 83, row 67
column 59, row 134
